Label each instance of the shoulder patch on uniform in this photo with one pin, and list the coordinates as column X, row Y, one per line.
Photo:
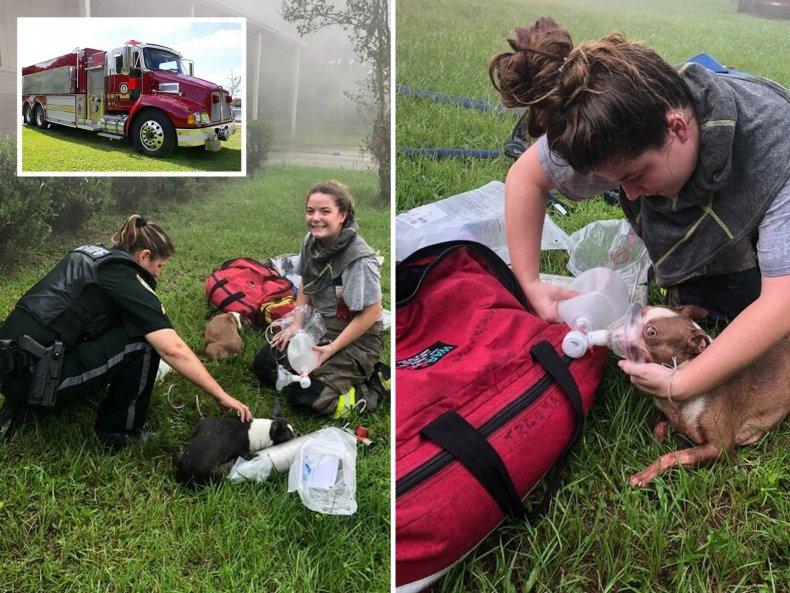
column 151, row 290
column 145, row 284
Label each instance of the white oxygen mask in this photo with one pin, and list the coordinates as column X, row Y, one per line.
column 603, row 298
column 301, row 356
column 622, row 337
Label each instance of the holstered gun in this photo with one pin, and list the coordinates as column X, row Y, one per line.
column 45, row 372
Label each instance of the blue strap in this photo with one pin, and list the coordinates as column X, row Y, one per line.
column 711, row 64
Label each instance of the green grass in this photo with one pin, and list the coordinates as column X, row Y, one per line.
column 74, row 517
column 723, row 528
column 62, row 149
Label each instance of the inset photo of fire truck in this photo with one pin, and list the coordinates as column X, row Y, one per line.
column 137, row 96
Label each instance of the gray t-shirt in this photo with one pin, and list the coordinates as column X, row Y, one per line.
column 773, row 245
column 361, row 286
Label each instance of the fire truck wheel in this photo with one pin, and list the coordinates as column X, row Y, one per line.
column 153, row 134
column 27, row 115
column 41, row 121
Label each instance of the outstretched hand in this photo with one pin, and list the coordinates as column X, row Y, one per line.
column 227, row 403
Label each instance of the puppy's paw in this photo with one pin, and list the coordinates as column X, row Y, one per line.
column 642, row 479
column 661, row 430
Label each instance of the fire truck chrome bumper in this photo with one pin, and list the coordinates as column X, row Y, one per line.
column 207, row 137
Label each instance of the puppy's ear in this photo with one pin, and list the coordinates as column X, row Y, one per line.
column 279, row 432
column 693, row 311
column 699, row 341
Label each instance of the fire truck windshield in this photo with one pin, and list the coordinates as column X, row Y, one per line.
column 160, row 59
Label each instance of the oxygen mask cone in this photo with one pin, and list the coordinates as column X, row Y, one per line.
column 603, row 295
column 622, row 337
column 284, row 378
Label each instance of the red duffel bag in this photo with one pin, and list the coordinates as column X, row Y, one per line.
column 485, row 407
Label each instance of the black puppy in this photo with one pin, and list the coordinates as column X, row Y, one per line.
column 216, row 442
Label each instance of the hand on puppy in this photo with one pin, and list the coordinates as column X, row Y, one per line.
column 655, row 379
column 227, row 403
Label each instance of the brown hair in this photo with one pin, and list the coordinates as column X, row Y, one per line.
column 137, row 234
column 341, row 194
column 596, row 102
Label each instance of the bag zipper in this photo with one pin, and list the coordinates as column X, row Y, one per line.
column 441, row 460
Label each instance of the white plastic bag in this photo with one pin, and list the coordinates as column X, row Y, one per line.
column 610, row 244
column 324, row 472
column 287, row 265
column 476, row 215
column 256, row 469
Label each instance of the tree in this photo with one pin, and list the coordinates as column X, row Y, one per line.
column 234, row 83
column 367, row 24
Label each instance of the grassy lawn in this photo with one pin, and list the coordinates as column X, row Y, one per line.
column 74, row 517
column 62, row 149
column 724, row 528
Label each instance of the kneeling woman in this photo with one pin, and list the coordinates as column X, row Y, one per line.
column 95, row 321
column 341, row 280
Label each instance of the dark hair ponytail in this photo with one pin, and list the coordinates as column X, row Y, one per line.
column 137, row 234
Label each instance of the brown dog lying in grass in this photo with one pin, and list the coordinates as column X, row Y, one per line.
column 739, row 412
column 223, row 336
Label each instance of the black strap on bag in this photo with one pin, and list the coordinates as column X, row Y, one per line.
column 545, row 353
column 411, row 273
column 464, row 442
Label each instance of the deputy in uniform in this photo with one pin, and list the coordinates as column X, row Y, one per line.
column 95, row 321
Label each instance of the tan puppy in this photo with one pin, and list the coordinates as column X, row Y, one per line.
column 222, row 335
column 739, row 412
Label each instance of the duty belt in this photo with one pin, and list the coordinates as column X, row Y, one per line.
column 44, row 365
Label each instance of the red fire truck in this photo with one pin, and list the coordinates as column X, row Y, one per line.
column 141, row 91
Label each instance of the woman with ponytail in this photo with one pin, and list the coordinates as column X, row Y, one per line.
column 341, row 280
column 702, row 163
column 95, row 321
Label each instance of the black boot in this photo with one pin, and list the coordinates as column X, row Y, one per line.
column 12, row 415
column 118, row 440
column 380, row 381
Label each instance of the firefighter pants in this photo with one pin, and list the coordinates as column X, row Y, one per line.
column 126, row 366
column 351, row 367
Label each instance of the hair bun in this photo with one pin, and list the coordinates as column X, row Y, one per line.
column 140, row 222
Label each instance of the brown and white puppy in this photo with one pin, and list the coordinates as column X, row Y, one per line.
column 216, row 443
column 222, row 335
column 739, row 412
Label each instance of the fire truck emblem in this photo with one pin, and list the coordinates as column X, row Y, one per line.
column 124, row 88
